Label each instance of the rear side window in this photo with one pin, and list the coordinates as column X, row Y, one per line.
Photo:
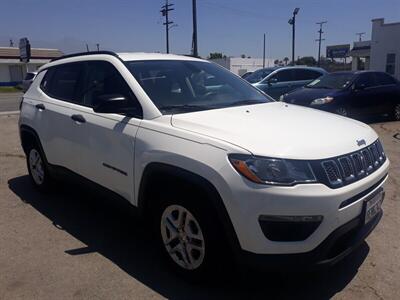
column 63, row 82
column 384, row 79
column 303, row 74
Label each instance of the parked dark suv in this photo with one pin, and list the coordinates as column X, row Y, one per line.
column 358, row 93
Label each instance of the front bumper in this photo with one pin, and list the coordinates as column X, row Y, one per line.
column 340, row 243
column 249, row 201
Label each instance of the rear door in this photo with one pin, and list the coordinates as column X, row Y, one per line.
column 109, row 140
column 60, row 103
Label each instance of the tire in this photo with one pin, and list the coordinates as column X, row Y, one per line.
column 37, row 168
column 342, row 111
column 190, row 236
column 396, row 112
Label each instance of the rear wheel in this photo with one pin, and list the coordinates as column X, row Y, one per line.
column 37, row 168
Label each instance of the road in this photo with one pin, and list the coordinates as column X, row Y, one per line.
column 71, row 244
column 10, row 101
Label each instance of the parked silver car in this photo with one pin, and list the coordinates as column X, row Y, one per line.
column 26, row 83
column 281, row 80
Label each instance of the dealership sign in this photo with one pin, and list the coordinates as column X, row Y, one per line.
column 338, row 51
column 24, row 50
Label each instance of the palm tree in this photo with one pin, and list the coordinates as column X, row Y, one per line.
column 286, row 59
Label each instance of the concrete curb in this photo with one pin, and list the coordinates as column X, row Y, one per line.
column 9, row 113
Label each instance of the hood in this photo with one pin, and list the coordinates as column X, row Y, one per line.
column 305, row 95
column 279, row 130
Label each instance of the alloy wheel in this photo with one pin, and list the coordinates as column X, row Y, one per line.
column 36, row 167
column 182, row 237
column 342, row 111
column 397, row 112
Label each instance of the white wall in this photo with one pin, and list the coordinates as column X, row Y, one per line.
column 4, row 73
column 385, row 39
column 240, row 65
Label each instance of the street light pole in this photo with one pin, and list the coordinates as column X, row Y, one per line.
column 292, row 22
column 195, row 51
column 264, row 53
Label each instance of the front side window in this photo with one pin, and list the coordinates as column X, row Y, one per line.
column 103, row 81
column 303, row 74
column 258, row 75
column 177, row 86
column 390, row 63
column 282, row 76
column 365, row 80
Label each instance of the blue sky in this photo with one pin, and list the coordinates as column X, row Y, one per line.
column 230, row 26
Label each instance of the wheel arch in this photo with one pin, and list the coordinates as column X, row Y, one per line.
column 156, row 171
column 28, row 135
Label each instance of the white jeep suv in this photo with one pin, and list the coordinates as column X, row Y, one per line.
column 217, row 166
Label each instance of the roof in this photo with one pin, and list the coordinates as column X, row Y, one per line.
column 127, row 56
column 36, row 53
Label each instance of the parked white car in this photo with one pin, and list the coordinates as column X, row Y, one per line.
column 220, row 169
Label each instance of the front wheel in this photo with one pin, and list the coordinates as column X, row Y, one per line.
column 342, row 111
column 190, row 236
column 396, row 112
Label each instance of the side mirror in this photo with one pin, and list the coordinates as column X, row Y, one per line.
column 112, row 103
column 272, row 81
column 358, row 87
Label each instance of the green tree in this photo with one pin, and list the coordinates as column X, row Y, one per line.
column 306, row 60
column 286, row 60
column 215, row 55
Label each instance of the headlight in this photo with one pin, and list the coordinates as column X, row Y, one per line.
column 321, row 101
column 271, row 170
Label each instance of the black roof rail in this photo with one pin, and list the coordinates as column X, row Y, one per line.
column 86, row 53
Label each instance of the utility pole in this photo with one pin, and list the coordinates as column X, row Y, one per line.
column 11, row 43
column 292, row 21
column 264, row 53
column 195, row 51
column 320, row 40
column 164, row 11
column 87, row 48
column 360, row 34
column 98, row 47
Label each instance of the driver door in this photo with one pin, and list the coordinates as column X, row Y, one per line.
column 109, row 139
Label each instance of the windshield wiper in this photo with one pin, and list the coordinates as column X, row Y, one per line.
column 185, row 107
column 246, row 102
column 318, row 87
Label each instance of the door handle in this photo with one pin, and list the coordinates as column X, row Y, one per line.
column 40, row 106
column 78, row 118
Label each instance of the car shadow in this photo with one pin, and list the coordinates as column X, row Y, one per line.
column 110, row 229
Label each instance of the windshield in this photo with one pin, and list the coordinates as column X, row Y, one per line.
column 258, row 75
column 177, row 86
column 332, row 81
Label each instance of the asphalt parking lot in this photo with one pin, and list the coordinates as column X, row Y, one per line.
column 74, row 244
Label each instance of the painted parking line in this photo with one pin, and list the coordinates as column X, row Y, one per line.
column 8, row 113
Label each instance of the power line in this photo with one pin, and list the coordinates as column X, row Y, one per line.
column 164, row 11
column 320, row 40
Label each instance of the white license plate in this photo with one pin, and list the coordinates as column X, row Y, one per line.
column 373, row 207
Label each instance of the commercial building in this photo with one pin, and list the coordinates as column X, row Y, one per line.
column 240, row 65
column 382, row 52
column 12, row 70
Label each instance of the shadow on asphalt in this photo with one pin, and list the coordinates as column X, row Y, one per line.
column 110, row 229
